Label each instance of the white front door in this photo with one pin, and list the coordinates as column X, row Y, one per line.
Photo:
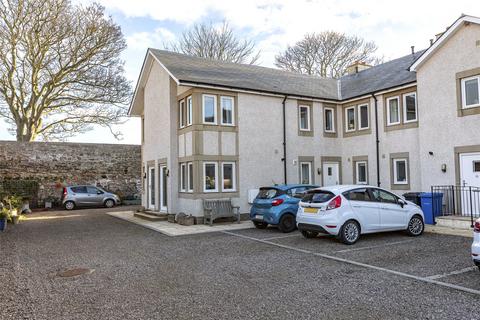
column 331, row 174
column 163, row 188
column 470, row 177
column 151, row 188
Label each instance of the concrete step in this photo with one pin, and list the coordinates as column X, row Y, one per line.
column 151, row 216
column 457, row 222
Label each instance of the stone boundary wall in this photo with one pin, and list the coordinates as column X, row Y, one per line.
column 52, row 165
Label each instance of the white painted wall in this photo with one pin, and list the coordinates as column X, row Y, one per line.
column 441, row 129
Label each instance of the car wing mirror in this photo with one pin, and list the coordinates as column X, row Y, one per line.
column 402, row 202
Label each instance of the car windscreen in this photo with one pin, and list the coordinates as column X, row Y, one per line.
column 317, row 196
column 268, row 193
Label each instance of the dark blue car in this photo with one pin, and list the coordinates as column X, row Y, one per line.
column 278, row 205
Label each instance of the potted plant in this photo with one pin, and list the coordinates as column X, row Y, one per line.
column 13, row 206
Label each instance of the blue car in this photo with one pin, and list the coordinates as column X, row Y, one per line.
column 278, row 205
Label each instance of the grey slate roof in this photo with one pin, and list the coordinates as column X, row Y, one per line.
column 390, row 74
column 241, row 76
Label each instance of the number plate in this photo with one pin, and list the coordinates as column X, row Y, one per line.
column 310, row 210
column 259, row 217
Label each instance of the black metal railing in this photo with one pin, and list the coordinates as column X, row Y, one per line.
column 456, row 201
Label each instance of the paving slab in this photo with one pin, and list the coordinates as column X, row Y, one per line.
column 175, row 229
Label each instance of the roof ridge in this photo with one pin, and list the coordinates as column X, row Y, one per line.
column 243, row 64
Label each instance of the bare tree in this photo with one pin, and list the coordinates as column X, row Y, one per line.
column 60, row 69
column 207, row 41
column 326, row 54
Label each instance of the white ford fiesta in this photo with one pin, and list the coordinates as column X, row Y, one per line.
column 347, row 211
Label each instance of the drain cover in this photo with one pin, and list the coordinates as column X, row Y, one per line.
column 74, row 272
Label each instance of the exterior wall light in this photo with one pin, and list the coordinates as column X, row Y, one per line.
column 444, row 167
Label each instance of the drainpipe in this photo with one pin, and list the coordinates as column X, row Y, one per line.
column 377, row 141
column 284, row 159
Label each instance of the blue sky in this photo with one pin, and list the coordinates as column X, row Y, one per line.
column 273, row 25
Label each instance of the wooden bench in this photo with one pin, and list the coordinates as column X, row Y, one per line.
column 219, row 208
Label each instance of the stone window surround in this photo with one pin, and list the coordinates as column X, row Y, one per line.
column 311, row 160
column 402, row 124
column 334, row 133
column 461, row 112
column 197, row 162
column 356, row 159
column 395, row 156
column 304, row 132
column 357, row 130
column 197, row 110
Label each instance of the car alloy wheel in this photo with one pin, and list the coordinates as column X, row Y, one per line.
column 69, row 205
column 350, row 232
column 109, row 204
column 415, row 226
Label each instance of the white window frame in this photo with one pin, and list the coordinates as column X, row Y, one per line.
column 189, row 176
column 332, row 110
column 464, row 96
column 310, row 173
column 354, row 119
column 183, row 168
column 395, row 161
column 360, row 116
column 181, row 106
column 233, row 111
column 205, row 175
column 388, row 111
column 234, row 176
column 214, row 109
column 405, row 107
column 357, row 166
column 300, row 117
column 189, row 111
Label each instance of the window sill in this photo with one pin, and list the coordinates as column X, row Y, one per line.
column 408, row 125
column 469, row 111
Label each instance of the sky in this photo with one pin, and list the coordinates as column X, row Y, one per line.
column 273, row 25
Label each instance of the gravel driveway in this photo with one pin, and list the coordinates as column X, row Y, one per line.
column 136, row 273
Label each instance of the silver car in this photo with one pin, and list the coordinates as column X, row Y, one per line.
column 88, row 196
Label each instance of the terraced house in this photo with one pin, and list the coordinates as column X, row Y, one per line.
column 218, row 130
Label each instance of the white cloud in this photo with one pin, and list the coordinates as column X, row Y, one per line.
column 279, row 23
column 157, row 38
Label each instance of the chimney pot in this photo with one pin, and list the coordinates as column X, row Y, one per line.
column 413, row 49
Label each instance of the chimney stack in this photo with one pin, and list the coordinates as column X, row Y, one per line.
column 356, row 67
column 413, row 49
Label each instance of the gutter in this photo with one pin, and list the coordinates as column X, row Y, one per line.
column 377, row 141
column 284, row 159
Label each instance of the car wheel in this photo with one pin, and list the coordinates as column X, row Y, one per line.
column 415, row 226
column 109, row 203
column 260, row 225
column 309, row 234
column 69, row 205
column 349, row 232
column 287, row 223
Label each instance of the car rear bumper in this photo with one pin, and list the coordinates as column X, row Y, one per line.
column 325, row 223
column 264, row 216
